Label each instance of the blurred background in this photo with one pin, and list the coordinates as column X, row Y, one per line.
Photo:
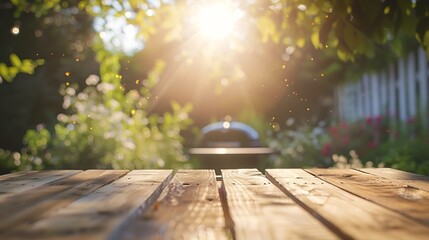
column 129, row 84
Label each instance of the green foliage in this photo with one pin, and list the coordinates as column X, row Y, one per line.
column 373, row 142
column 104, row 130
column 364, row 144
column 18, row 66
column 39, row 8
column 298, row 148
column 8, row 161
column 351, row 27
column 408, row 154
column 344, row 138
column 104, row 126
column 17, row 161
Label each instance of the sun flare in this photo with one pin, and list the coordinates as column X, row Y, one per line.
column 217, row 21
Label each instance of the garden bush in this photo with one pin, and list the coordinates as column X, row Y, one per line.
column 106, row 127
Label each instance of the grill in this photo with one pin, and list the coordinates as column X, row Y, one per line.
column 226, row 145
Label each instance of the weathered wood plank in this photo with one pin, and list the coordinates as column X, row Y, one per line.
column 28, row 181
column 103, row 213
column 349, row 215
column 260, row 210
column 402, row 198
column 14, row 175
column 28, row 205
column 411, row 179
column 189, row 208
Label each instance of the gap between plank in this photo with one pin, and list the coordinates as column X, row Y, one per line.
column 229, row 223
column 339, row 178
column 116, row 234
column 336, row 230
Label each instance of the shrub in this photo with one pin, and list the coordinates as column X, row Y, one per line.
column 376, row 144
column 298, row 148
column 108, row 128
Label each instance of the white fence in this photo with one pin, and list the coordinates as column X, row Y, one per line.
column 399, row 92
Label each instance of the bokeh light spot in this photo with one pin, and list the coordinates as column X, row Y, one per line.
column 15, row 30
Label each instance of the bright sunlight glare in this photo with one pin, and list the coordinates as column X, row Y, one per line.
column 217, row 21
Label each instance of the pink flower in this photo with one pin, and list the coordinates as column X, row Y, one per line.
column 372, row 145
column 410, row 120
column 326, row 150
column 378, row 119
column 343, row 125
column 333, row 131
column 368, row 120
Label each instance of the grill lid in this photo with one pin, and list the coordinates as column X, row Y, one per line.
column 230, row 138
column 229, row 135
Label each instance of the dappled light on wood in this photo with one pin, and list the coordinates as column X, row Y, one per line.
column 197, row 204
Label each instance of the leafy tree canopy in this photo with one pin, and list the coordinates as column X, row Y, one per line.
column 345, row 29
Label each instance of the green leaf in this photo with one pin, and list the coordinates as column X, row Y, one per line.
column 4, row 72
column 312, row 10
column 343, row 55
column 267, row 28
column 315, row 40
column 13, row 71
column 175, row 106
column 15, row 2
column 397, row 47
column 14, row 60
column 300, row 42
column 3, row 69
column 422, row 28
column 40, row 61
column 27, row 66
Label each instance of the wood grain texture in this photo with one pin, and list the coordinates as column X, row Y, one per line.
column 103, row 213
column 260, row 210
column 411, row 179
column 402, row 198
column 14, row 175
column 28, row 205
column 25, row 182
column 189, row 208
column 348, row 215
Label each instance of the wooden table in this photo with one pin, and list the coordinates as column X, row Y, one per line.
column 192, row 204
